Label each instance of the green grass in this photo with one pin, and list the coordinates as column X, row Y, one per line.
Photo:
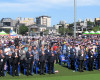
column 64, row 74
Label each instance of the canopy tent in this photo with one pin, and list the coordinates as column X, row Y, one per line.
column 86, row 32
column 98, row 32
column 92, row 32
column 3, row 33
column 12, row 33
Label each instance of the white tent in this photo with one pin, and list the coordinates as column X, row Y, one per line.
column 86, row 32
column 92, row 32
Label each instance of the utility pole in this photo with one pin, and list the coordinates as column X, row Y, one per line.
column 74, row 18
column 64, row 31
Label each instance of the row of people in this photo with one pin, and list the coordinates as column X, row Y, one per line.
column 13, row 57
column 81, row 54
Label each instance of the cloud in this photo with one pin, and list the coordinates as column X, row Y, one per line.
column 88, row 2
column 42, row 5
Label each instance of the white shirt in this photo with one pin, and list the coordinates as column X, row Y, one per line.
column 48, row 50
column 7, row 49
column 77, row 49
column 94, row 47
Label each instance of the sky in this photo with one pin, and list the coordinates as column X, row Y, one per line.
column 57, row 9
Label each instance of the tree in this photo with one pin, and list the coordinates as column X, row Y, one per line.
column 71, row 25
column 62, row 30
column 46, row 32
column 23, row 29
column 97, row 28
column 7, row 31
column 90, row 24
column 69, row 30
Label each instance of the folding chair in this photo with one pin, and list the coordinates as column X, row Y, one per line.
column 63, row 59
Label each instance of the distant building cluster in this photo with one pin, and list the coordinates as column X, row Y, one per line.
column 42, row 25
column 26, row 21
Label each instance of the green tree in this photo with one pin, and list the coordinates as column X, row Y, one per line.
column 96, row 28
column 69, row 30
column 23, row 29
column 89, row 23
column 63, row 30
column 70, row 25
column 46, row 32
column 7, row 31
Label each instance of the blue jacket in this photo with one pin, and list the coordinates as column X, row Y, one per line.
column 72, row 53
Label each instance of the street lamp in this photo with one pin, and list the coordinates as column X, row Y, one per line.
column 74, row 18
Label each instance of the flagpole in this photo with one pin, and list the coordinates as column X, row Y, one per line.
column 74, row 18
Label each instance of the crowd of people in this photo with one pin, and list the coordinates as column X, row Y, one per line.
column 42, row 51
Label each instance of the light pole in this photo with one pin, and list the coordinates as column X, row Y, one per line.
column 74, row 18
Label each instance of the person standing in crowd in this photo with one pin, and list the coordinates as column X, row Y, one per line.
column 91, row 59
column 36, row 43
column 42, row 42
column 36, row 56
column 42, row 60
column 55, row 51
column 98, row 50
column 6, row 52
column 10, row 56
column 47, row 52
column 16, row 61
column 72, row 57
column 81, row 55
column 58, row 54
column 68, row 46
column 26, row 48
column 94, row 48
column 10, row 43
column 16, row 42
column 55, row 47
column 51, row 60
column 17, row 47
column 1, row 63
column 19, row 51
column 77, row 49
column 1, row 47
column 65, row 49
column 30, row 62
column 22, row 58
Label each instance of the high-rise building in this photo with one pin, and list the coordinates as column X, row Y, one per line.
column 79, row 20
column 43, row 20
column 62, row 22
column 26, row 21
column 97, row 21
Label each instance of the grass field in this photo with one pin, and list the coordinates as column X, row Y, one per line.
column 64, row 74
